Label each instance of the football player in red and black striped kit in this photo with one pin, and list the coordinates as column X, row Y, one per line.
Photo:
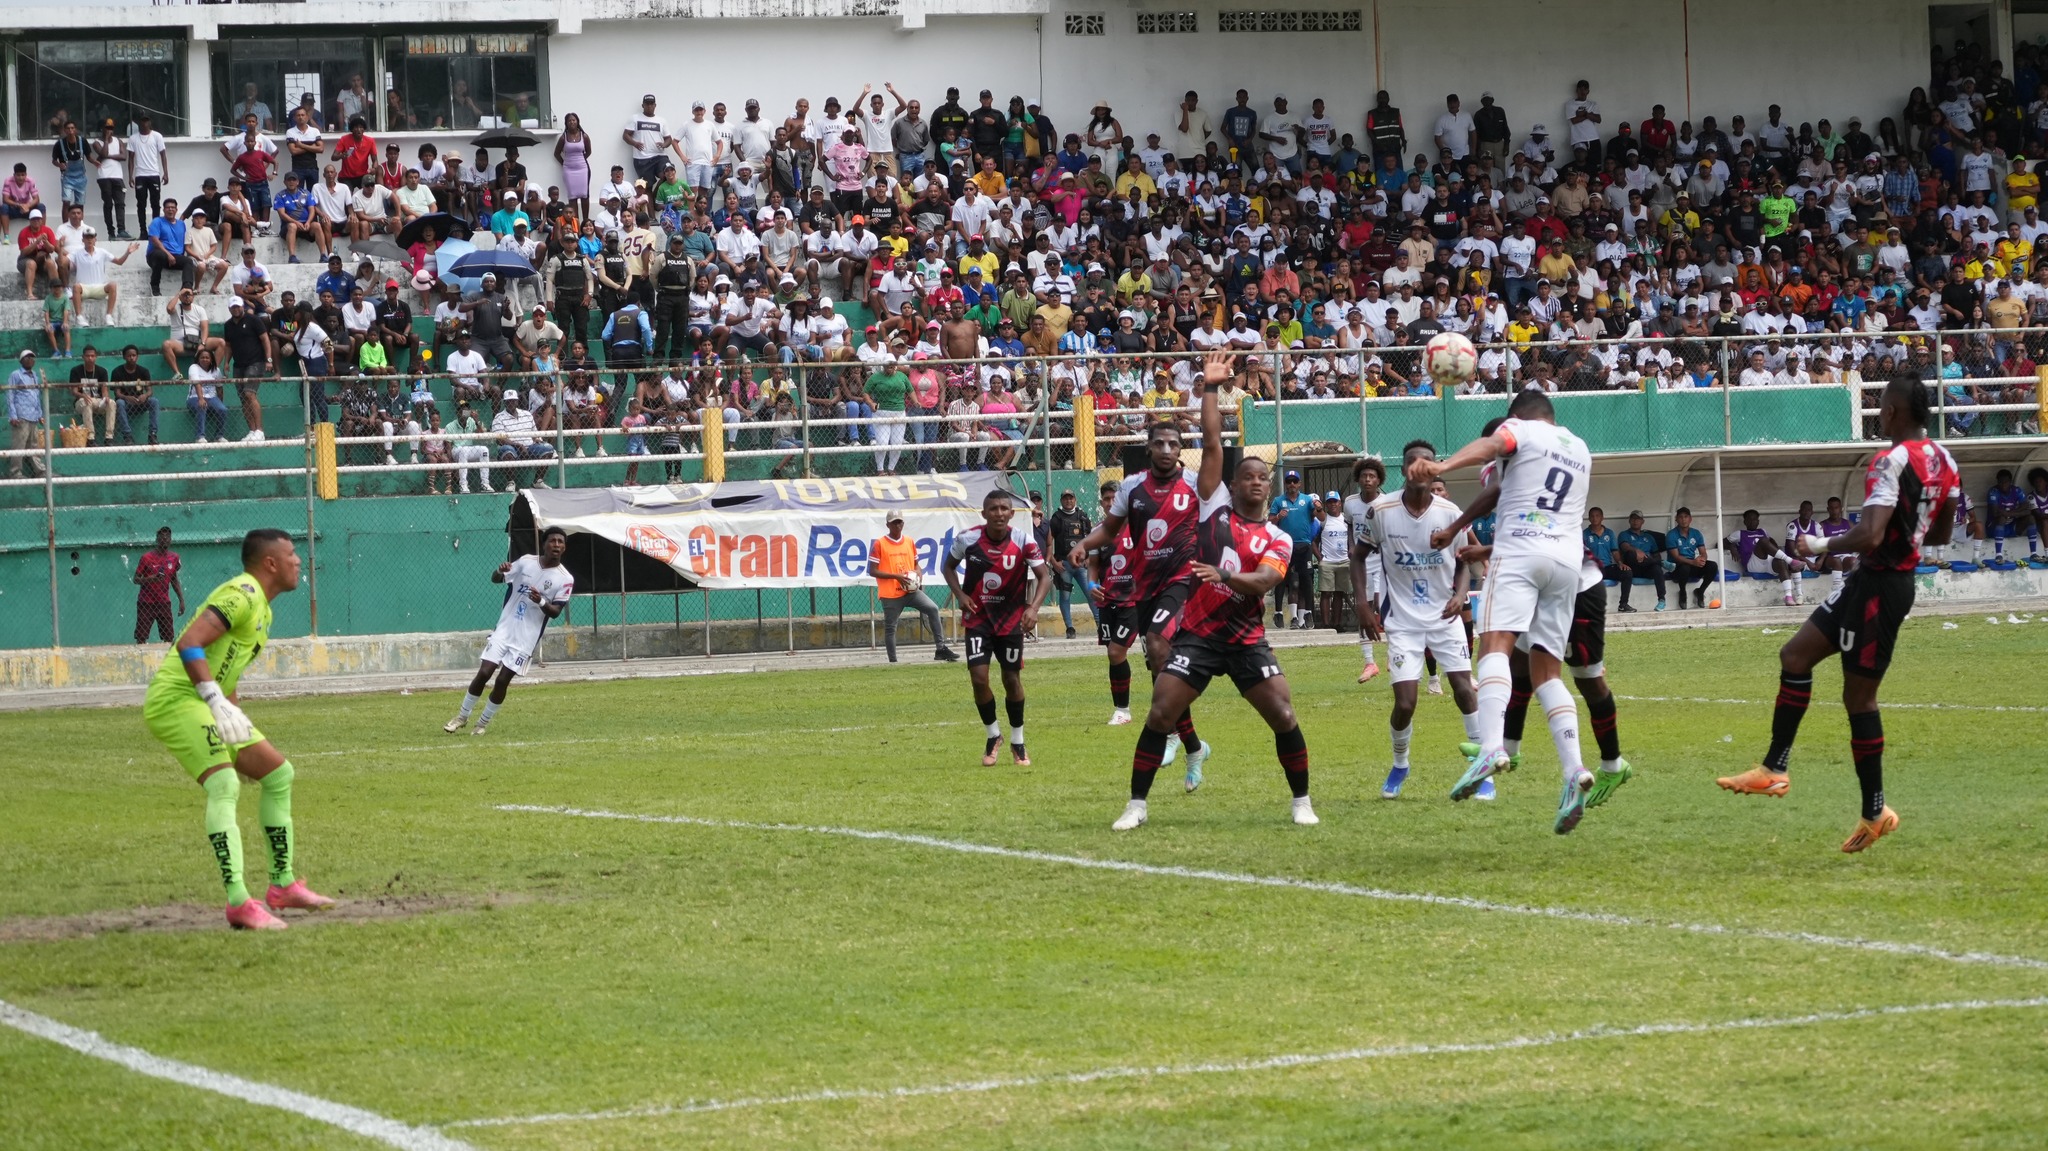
column 989, row 570
column 1115, row 568
column 1910, row 494
column 1157, row 508
column 1239, row 557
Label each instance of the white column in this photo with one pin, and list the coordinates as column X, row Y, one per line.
column 198, row 87
column 2000, row 19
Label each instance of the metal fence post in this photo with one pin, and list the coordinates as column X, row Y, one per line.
column 50, row 509
column 1045, row 427
column 562, row 469
column 1720, row 538
column 1940, row 388
column 803, row 408
column 1727, row 405
column 312, row 547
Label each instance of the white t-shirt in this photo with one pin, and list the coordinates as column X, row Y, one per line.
column 1334, row 542
column 90, row 269
column 1543, row 487
column 874, row 131
column 1279, row 124
column 1321, row 133
column 1357, row 512
column 1453, row 131
column 699, row 142
column 466, row 366
column 1419, row 578
column 648, row 134
column 1582, row 132
column 521, row 621
column 148, row 152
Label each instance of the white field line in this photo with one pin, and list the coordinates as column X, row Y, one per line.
column 1244, row 1066
column 1884, row 705
column 1914, row 950
column 368, row 1124
column 464, row 743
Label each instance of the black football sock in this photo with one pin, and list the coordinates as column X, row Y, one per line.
column 1866, row 745
column 1602, row 711
column 1145, row 761
column 1120, row 684
column 1186, row 728
column 1794, row 693
column 1293, row 752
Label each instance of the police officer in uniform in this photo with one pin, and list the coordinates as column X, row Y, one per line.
column 672, row 303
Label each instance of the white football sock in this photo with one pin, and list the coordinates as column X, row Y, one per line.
column 468, row 705
column 1788, row 586
column 1402, row 737
column 1562, row 710
column 1370, row 649
column 1496, row 683
column 1017, row 735
column 1471, row 725
column 490, row 709
column 995, row 731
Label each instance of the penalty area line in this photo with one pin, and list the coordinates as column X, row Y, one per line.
column 368, row 1124
column 1246, row 1066
column 1325, row 887
column 1886, row 705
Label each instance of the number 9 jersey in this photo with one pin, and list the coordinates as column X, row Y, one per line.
column 1545, row 472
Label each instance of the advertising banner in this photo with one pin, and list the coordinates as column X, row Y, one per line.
column 775, row 533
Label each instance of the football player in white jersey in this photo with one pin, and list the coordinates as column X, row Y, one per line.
column 1370, row 475
column 1532, row 582
column 540, row 590
column 1426, row 587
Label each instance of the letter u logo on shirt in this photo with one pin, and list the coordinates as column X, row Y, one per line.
column 1009, row 561
column 1180, row 501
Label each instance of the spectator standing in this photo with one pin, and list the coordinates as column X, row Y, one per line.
column 1582, row 122
column 68, row 155
column 1385, row 131
column 25, row 415
column 156, row 580
column 1191, row 129
column 649, row 136
column 149, row 167
column 1065, row 528
column 1456, row 131
column 1495, row 139
column 892, row 560
column 110, row 157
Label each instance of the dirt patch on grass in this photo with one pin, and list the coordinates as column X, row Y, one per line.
column 208, row 917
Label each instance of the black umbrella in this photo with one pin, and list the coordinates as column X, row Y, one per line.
column 444, row 225
column 505, row 138
column 380, row 246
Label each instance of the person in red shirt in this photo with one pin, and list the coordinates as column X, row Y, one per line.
column 39, row 252
column 1656, row 133
column 156, row 578
column 356, row 151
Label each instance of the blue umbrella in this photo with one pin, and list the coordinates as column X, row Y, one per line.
column 445, row 257
column 508, row 265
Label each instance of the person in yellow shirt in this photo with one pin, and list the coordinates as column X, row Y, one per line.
column 899, row 582
column 2014, row 252
column 1162, row 394
column 2022, row 189
column 1133, row 283
column 1135, row 176
column 1523, row 331
column 977, row 255
column 989, row 179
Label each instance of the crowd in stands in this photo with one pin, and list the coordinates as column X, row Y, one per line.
column 705, row 260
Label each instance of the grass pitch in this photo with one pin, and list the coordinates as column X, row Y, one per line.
column 685, row 985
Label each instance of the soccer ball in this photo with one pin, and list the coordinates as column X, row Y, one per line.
column 1450, row 359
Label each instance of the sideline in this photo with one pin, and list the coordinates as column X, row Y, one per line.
column 368, row 1124
column 1243, row 1066
column 1608, row 919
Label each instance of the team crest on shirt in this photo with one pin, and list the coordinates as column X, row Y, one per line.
column 990, row 581
column 1228, row 565
column 1009, row 561
column 1180, row 501
column 1116, row 565
column 1257, row 544
column 1155, row 533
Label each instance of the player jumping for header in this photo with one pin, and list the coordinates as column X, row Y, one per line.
column 1425, row 591
column 1532, row 582
column 1221, row 629
column 540, row 590
column 1909, row 496
column 999, row 602
column 192, row 710
column 1157, row 508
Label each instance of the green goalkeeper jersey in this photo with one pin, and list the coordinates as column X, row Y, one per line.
column 241, row 602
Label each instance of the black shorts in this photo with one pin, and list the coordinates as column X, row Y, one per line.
column 1862, row 617
column 1587, row 641
column 1116, row 625
column 1007, row 650
column 1199, row 659
column 1151, row 616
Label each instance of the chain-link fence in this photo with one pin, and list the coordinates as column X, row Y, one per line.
column 95, row 468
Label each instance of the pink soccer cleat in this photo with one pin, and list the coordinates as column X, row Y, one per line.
column 297, row 895
column 253, row 916
column 1370, row 670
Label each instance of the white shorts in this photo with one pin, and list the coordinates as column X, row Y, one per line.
column 92, row 291
column 1445, row 639
column 1761, row 565
column 1533, row 596
column 506, row 653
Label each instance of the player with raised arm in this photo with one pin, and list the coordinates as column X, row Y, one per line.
column 999, row 602
column 1532, row 583
column 1586, row 658
column 1114, row 568
column 540, row 587
column 1909, row 495
column 1370, row 475
column 191, row 708
column 1221, row 629
column 1157, row 508
column 1426, row 588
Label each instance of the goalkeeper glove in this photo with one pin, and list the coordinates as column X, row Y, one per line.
column 229, row 720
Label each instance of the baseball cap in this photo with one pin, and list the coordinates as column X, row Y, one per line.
column 89, row 230
column 893, row 517
column 510, row 394
column 35, row 213
column 1292, row 474
column 238, row 302
column 1332, row 498
column 27, row 354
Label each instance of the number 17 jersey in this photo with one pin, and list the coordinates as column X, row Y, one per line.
column 1544, row 476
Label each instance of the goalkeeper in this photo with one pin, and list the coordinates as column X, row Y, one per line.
column 899, row 581
column 191, row 710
